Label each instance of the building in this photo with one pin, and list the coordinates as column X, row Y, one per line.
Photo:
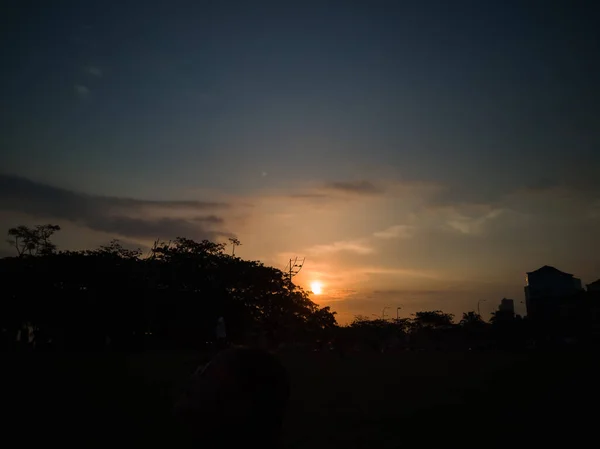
column 507, row 306
column 506, row 311
column 548, row 282
column 546, row 289
column 594, row 287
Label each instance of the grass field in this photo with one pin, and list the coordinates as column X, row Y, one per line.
column 367, row 400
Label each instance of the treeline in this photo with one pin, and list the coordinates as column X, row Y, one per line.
column 115, row 298
column 572, row 321
column 436, row 330
column 112, row 297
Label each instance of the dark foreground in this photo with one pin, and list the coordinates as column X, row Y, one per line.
column 416, row 400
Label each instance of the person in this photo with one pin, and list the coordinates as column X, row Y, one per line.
column 238, row 398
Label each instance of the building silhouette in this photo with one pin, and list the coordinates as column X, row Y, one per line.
column 547, row 289
column 594, row 287
column 506, row 308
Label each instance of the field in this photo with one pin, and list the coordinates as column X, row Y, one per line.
column 369, row 400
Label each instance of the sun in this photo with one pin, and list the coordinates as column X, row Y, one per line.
column 316, row 287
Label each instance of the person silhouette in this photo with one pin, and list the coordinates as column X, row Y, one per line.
column 239, row 397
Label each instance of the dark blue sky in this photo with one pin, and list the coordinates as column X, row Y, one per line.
column 438, row 90
column 158, row 100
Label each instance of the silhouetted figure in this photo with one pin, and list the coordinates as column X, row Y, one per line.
column 237, row 400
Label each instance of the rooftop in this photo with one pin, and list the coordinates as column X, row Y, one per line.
column 547, row 269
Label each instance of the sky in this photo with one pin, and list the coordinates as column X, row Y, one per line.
column 418, row 154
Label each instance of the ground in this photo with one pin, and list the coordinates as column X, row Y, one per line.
column 369, row 400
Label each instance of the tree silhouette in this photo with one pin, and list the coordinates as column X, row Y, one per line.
column 33, row 241
column 113, row 297
column 234, row 242
column 433, row 319
column 377, row 334
column 471, row 319
column 171, row 298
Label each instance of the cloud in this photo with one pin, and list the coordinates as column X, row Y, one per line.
column 124, row 216
column 400, row 272
column 309, row 196
column 154, row 228
column 354, row 187
column 352, row 246
column 395, row 232
column 466, row 219
column 473, row 225
column 81, row 91
column 212, row 219
column 414, row 292
column 333, row 294
column 584, row 183
column 338, row 190
column 94, row 71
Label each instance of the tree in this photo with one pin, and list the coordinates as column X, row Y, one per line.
column 81, row 299
column 432, row 329
column 471, row 319
column 377, row 334
column 33, row 241
column 433, row 319
column 115, row 249
column 234, row 242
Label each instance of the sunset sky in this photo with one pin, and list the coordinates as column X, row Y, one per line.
column 422, row 154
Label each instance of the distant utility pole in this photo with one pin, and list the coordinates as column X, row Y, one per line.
column 294, row 266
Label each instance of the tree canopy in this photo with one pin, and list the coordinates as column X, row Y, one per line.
column 172, row 296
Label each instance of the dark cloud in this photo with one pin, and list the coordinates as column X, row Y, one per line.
column 210, row 219
column 131, row 202
column 331, row 191
column 355, row 187
column 110, row 214
column 583, row 184
column 309, row 196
